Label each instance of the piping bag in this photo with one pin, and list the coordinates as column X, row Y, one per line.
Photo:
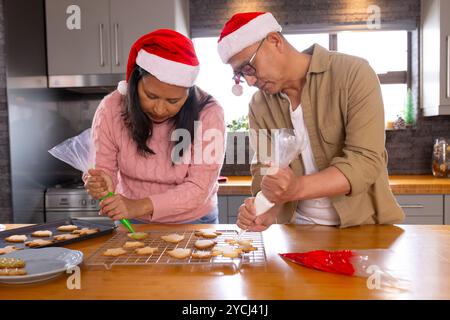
column 125, row 222
column 287, row 146
column 375, row 264
column 79, row 152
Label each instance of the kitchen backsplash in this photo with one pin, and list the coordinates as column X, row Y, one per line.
column 208, row 16
column 409, row 150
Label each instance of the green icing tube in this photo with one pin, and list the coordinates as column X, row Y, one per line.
column 125, row 222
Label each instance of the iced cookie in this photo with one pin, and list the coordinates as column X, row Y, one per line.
column 204, row 244
column 202, row 254
column 179, row 253
column 173, row 238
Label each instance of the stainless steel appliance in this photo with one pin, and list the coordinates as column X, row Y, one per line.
column 72, row 201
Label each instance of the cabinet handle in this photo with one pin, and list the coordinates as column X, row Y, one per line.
column 448, row 66
column 412, row 206
column 100, row 31
column 116, row 41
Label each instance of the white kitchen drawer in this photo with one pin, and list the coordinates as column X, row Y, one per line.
column 422, row 205
column 423, row 220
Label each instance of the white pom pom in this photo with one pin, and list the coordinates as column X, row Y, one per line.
column 122, row 87
column 237, row 90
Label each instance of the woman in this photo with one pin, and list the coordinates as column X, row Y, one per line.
column 133, row 132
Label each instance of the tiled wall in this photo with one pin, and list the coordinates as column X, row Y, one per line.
column 208, row 16
column 410, row 150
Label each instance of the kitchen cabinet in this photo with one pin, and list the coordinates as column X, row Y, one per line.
column 88, row 41
column 447, row 209
column 78, row 47
column 223, row 209
column 419, row 209
column 229, row 207
column 435, row 57
column 24, row 19
column 422, row 209
column 234, row 202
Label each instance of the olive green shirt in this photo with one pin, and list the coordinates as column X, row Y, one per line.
column 343, row 112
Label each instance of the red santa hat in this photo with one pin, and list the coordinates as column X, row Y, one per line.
column 167, row 55
column 243, row 30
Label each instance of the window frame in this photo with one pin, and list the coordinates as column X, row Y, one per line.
column 390, row 77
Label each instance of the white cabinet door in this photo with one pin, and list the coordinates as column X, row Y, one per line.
column 133, row 18
column 422, row 209
column 445, row 53
column 78, row 37
column 435, row 57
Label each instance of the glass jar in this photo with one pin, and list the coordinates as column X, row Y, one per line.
column 441, row 158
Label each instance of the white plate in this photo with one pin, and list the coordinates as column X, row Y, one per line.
column 43, row 264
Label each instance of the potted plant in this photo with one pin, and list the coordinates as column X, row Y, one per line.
column 410, row 110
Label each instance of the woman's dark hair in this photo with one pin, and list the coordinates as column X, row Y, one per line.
column 140, row 125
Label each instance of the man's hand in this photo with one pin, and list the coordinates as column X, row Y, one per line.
column 247, row 219
column 98, row 183
column 120, row 207
column 281, row 186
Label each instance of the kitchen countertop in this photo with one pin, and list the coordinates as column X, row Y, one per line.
column 420, row 252
column 400, row 184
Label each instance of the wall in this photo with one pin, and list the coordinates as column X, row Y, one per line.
column 5, row 172
column 412, row 146
column 208, row 16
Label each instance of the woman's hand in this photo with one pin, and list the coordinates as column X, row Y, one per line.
column 247, row 219
column 119, row 207
column 98, row 184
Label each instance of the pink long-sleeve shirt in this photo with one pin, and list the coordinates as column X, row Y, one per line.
column 180, row 193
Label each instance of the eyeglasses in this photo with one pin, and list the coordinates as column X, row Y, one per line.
column 247, row 69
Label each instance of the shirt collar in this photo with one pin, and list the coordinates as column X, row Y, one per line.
column 320, row 60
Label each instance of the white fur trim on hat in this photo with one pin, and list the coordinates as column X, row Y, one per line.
column 122, row 87
column 250, row 33
column 167, row 71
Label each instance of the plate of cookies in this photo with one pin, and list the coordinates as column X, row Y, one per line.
column 30, row 266
column 51, row 235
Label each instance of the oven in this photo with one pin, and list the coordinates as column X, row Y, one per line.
column 72, row 201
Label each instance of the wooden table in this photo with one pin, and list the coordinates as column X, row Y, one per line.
column 419, row 253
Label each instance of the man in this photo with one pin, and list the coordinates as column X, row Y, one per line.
column 334, row 103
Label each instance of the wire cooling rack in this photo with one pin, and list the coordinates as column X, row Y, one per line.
column 161, row 257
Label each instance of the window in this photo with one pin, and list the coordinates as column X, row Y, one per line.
column 215, row 78
column 386, row 51
column 304, row 41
